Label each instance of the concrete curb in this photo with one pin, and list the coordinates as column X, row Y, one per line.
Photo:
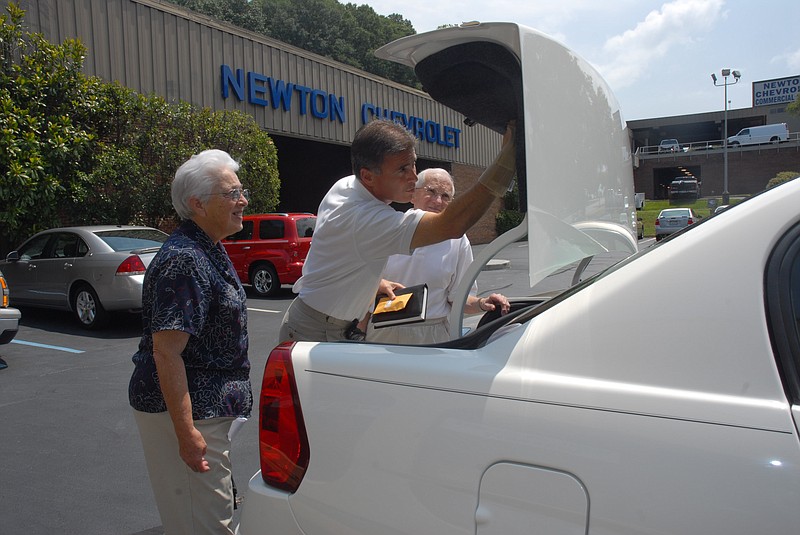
column 496, row 263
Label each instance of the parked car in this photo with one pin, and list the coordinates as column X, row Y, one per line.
column 669, row 145
column 576, row 412
column 271, row 249
column 683, row 190
column 9, row 317
column 671, row 220
column 89, row 270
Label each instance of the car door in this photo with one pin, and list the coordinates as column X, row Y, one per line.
column 238, row 247
column 782, row 284
column 22, row 273
column 55, row 270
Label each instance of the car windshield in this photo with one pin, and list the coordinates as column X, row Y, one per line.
column 129, row 239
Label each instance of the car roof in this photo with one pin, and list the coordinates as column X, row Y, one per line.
column 95, row 228
column 280, row 214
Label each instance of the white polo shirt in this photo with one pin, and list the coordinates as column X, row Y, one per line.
column 441, row 266
column 354, row 236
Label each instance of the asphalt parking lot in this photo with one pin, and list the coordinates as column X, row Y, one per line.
column 70, row 457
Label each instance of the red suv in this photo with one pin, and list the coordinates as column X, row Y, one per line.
column 270, row 249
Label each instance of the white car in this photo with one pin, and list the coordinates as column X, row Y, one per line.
column 9, row 317
column 576, row 413
column 669, row 145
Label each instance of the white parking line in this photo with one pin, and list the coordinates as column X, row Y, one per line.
column 46, row 346
column 264, row 310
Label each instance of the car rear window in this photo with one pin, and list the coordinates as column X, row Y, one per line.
column 675, row 213
column 306, row 226
column 128, row 239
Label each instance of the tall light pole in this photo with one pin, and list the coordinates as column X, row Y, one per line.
column 736, row 75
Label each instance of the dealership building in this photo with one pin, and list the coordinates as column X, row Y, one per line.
column 312, row 106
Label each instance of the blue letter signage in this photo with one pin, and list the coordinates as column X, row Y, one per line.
column 265, row 91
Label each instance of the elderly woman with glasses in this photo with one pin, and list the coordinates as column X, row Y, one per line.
column 191, row 377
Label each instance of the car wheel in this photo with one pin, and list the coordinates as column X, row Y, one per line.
column 88, row 309
column 264, row 279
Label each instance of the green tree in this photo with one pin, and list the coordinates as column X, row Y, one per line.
column 144, row 139
column 43, row 98
column 76, row 150
column 794, row 107
column 373, row 31
column 347, row 33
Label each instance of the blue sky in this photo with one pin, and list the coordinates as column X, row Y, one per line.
column 656, row 56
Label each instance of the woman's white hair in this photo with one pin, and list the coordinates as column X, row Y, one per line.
column 197, row 177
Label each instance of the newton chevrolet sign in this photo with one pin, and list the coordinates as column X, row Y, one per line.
column 260, row 90
column 777, row 91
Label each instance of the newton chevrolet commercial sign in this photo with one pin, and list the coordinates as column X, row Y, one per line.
column 261, row 90
column 778, row 91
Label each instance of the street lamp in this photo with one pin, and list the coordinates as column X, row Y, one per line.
column 736, row 75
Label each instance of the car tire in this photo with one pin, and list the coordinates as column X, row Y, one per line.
column 264, row 280
column 88, row 309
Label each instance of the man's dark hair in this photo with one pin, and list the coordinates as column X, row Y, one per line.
column 375, row 140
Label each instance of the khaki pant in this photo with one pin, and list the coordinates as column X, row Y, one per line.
column 303, row 323
column 189, row 503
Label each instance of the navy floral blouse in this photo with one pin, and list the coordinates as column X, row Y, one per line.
column 191, row 286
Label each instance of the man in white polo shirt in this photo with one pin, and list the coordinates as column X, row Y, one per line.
column 357, row 230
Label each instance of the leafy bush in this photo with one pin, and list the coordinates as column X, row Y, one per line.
column 510, row 217
column 780, row 178
column 507, row 219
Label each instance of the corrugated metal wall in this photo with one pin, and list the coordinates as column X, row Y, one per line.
column 155, row 47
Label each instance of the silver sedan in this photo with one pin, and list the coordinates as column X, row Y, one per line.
column 89, row 270
column 671, row 220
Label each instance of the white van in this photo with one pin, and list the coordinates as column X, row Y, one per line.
column 771, row 133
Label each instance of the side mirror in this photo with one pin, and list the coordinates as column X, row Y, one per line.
column 13, row 256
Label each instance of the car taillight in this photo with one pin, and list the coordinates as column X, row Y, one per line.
column 5, row 292
column 283, row 443
column 132, row 265
column 657, row 223
column 690, row 221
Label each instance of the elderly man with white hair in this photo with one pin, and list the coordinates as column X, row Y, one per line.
column 441, row 266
